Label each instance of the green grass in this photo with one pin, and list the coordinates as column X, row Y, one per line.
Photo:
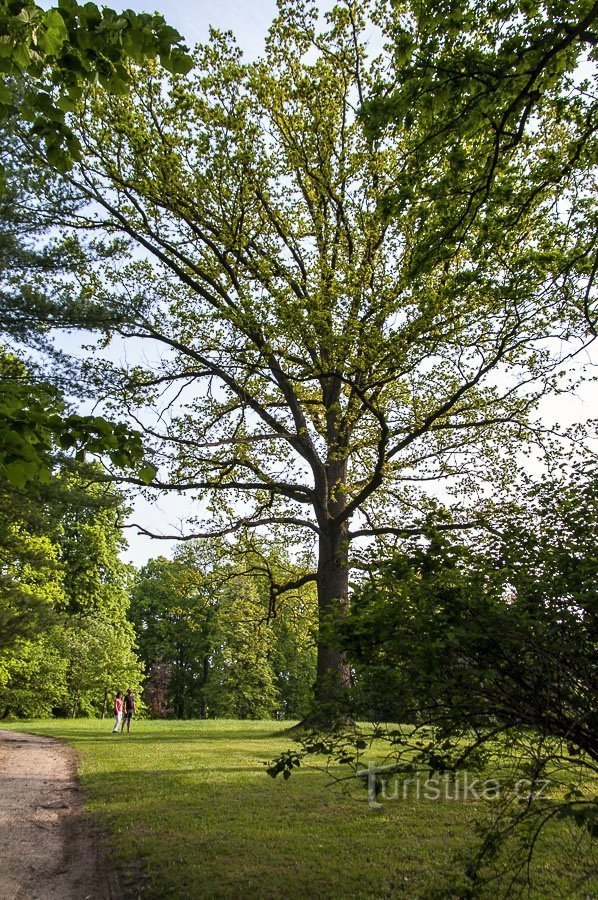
column 191, row 813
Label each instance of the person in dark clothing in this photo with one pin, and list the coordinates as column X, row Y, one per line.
column 129, row 709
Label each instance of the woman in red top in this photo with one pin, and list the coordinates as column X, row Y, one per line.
column 118, row 711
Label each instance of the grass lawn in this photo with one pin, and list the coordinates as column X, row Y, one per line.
column 192, row 814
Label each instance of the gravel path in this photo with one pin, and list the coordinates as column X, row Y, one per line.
column 48, row 849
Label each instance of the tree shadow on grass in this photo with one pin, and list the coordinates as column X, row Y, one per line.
column 209, row 837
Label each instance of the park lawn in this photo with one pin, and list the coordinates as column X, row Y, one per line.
column 191, row 813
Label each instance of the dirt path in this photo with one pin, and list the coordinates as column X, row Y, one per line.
column 48, row 849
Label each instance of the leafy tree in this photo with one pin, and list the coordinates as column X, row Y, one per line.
column 59, row 50
column 483, row 86
column 206, row 618
column 473, row 641
column 100, row 660
column 35, row 422
column 325, row 350
column 293, row 653
column 99, row 641
column 262, row 632
column 74, row 668
column 172, row 609
column 31, row 577
column 264, row 659
column 30, row 586
column 32, row 201
column 66, row 640
column 243, row 683
column 33, row 676
column 30, row 581
column 59, row 534
column 34, row 425
column 90, row 538
column 490, row 653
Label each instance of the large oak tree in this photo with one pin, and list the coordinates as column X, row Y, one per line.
column 318, row 348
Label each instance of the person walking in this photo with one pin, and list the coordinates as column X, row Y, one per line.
column 129, row 709
column 118, row 711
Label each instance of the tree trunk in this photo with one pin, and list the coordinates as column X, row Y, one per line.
column 206, row 675
column 333, row 673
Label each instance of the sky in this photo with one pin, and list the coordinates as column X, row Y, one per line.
column 248, row 19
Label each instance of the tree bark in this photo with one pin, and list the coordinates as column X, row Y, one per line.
column 206, row 675
column 333, row 672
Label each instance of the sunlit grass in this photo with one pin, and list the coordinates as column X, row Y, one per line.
column 192, row 814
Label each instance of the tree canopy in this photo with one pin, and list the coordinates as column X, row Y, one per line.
column 64, row 597
column 37, row 269
column 494, row 637
column 321, row 350
column 46, row 57
column 473, row 89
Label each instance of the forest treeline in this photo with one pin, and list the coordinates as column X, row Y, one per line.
column 194, row 636
column 201, row 634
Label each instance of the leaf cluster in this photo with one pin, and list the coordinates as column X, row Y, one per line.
column 63, row 48
column 471, row 90
column 35, row 427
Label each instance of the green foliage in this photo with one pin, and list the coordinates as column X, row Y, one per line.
column 90, row 538
column 473, row 89
column 172, row 609
column 244, row 683
column 292, row 653
column 62, row 49
column 204, row 619
column 500, row 636
column 35, row 424
column 332, row 350
column 31, row 583
column 488, row 652
column 33, row 676
column 65, row 639
column 99, row 650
